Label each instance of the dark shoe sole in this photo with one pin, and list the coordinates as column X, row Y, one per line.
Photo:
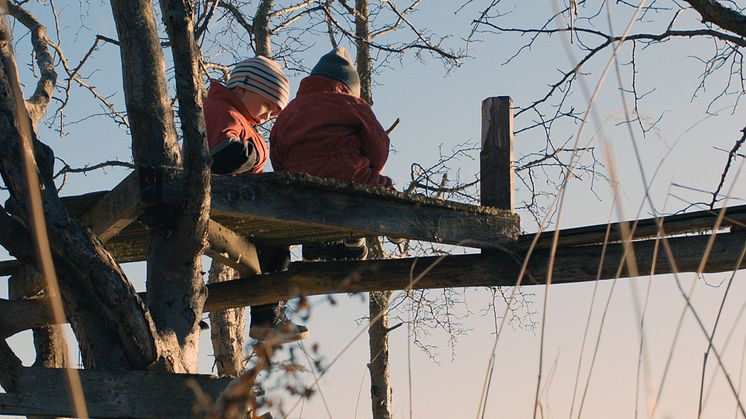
column 273, row 336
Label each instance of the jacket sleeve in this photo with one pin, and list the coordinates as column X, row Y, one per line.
column 233, row 156
column 375, row 141
column 232, row 149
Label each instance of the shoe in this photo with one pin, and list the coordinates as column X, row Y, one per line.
column 278, row 333
column 355, row 249
column 348, row 249
column 396, row 240
column 278, row 330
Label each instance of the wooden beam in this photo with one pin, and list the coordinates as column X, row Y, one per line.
column 117, row 209
column 572, row 264
column 291, row 205
column 496, row 157
column 7, row 267
column 285, row 208
column 691, row 222
column 241, row 254
column 19, row 315
column 109, row 394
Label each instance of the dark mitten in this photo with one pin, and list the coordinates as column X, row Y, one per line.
column 233, row 156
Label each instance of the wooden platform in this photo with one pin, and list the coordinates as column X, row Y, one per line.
column 110, row 394
column 284, row 208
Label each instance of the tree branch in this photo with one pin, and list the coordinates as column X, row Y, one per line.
column 713, row 11
column 37, row 103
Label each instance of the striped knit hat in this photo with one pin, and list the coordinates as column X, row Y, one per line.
column 263, row 76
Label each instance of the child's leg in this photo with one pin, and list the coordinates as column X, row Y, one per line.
column 268, row 321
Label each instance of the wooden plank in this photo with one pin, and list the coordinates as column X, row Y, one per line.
column 572, row 264
column 117, row 209
column 109, row 394
column 7, row 267
column 283, row 208
column 357, row 210
column 19, row 315
column 497, row 175
column 691, row 222
column 241, row 254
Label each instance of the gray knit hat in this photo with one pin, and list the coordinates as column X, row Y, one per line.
column 263, row 76
column 337, row 65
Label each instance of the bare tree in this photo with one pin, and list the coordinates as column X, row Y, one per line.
column 115, row 328
column 660, row 23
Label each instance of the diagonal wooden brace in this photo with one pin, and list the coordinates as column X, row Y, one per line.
column 142, row 190
column 232, row 249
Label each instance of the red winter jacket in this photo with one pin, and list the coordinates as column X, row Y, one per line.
column 226, row 117
column 326, row 132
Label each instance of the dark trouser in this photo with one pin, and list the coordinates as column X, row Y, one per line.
column 271, row 259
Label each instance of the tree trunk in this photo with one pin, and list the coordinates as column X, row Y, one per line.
column 261, row 29
column 227, row 328
column 177, row 234
column 380, row 388
column 95, row 290
column 364, row 64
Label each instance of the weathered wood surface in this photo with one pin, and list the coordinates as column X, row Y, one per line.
column 8, row 267
column 109, row 394
column 300, row 208
column 572, row 264
column 691, row 222
column 283, row 208
column 232, row 249
column 116, row 209
column 496, row 174
column 19, row 315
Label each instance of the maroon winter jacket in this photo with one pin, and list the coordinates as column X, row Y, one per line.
column 226, row 118
column 327, row 132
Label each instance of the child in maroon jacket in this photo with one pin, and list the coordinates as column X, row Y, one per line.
column 328, row 131
column 257, row 90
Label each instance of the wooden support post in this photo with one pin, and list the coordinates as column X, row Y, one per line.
column 232, row 249
column 496, row 157
column 28, row 284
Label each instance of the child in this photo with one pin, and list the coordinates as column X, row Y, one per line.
column 328, row 131
column 256, row 91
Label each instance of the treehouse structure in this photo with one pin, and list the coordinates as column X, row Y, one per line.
column 281, row 208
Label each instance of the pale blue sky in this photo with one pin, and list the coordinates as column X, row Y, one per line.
column 435, row 109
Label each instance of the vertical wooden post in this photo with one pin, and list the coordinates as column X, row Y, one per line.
column 496, row 157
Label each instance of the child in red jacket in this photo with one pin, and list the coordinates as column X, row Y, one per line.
column 257, row 90
column 328, row 131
